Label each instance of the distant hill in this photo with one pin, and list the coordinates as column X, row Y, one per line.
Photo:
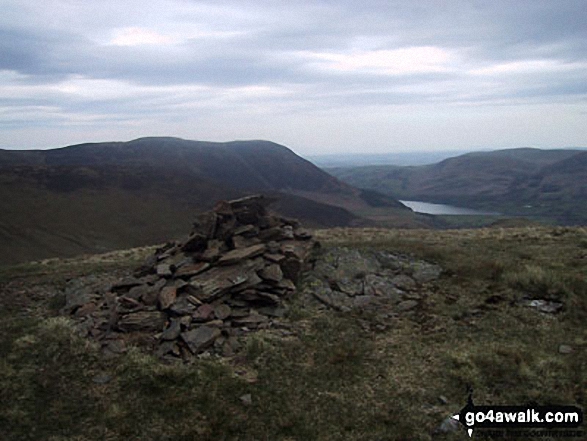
column 394, row 158
column 548, row 184
column 103, row 196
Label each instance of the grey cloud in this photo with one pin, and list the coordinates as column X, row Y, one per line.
column 267, row 36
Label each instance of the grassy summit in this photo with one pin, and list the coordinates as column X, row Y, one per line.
column 358, row 375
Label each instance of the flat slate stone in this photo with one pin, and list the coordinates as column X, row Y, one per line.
column 276, row 258
column 222, row 311
column 164, row 270
column 246, row 230
column 127, row 282
column 136, row 292
column 244, row 242
column 241, row 254
column 205, row 224
column 219, row 280
column 200, row 338
column 426, row 272
column 142, row 321
column 167, row 296
column 182, row 306
column 271, row 273
column 192, row 269
column 172, row 332
column 203, row 313
column 565, row 349
column 406, row 305
column 196, row 242
column 404, row 282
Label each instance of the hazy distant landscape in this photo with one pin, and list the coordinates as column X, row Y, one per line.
column 104, row 196
column 545, row 185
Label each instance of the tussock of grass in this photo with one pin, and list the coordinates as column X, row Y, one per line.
column 538, row 281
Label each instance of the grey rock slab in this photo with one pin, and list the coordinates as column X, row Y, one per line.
column 195, row 243
column 244, row 242
column 286, row 284
column 83, row 290
column 136, row 292
column 217, row 281
column 125, row 283
column 362, row 301
column 272, row 273
column 151, row 297
column 545, row 306
column 222, row 311
column 295, row 249
column 172, row 332
column 205, row 224
column 168, row 347
column 273, row 311
column 389, row 261
column 381, row 286
column 251, row 319
column 275, row 258
column 242, row 254
column 102, row 378
column 404, row 282
column 239, row 313
column 203, row 313
column 191, row 269
column 200, row 338
column 291, row 268
column 350, row 287
column 116, row 346
column 333, row 299
column 152, row 321
column 246, row 230
column 424, row 272
column 268, row 298
column 182, row 306
column 167, row 296
column 77, row 298
column 246, row 399
column 213, row 251
column 565, row 349
column 164, row 270
column 343, row 262
column 406, row 305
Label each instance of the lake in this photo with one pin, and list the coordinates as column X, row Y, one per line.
column 446, row 210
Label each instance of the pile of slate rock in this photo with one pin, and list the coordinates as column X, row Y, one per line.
column 229, row 277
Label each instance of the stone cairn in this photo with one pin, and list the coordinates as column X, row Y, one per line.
column 230, row 276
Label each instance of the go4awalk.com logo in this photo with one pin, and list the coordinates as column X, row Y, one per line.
column 521, row 417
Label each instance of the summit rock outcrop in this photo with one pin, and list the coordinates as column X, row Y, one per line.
column 228, row 277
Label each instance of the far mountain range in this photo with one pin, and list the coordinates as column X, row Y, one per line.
column 103, row 196
column 546, row 185
column 97, row 197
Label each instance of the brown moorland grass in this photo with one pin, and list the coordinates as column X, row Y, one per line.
column 334, row 376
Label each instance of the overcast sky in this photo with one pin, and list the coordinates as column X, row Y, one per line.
column 328, row 76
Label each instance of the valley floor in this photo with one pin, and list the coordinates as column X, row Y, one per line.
column 506, row 317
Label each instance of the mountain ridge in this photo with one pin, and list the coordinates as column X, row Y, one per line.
column 544, row 184
column 103, row 196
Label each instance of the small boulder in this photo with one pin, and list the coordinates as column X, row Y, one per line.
column 200, row 338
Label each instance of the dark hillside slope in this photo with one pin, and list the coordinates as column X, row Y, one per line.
column 248, row 165
column 97, row 197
